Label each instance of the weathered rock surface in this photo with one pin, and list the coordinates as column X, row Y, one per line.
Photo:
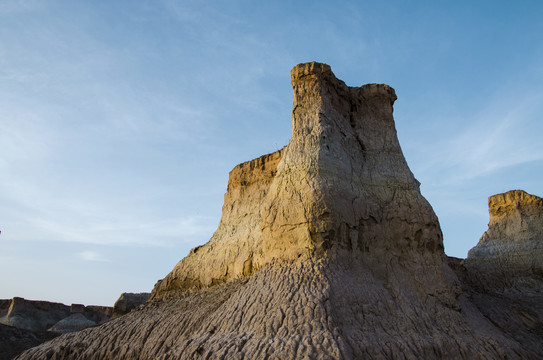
column 34, row 315
column 42, row 315
column 509, row 255
column 503, row 274
column 326, row 249
column 128, row 302
column 341, row 185
column 4, row 307
column 97, row 314
column 27, row 323
column 230, row 252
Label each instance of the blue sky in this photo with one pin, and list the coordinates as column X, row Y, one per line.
column 120, row 120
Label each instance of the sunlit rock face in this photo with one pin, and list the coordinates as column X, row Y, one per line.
column 326, row 249
column 231, row 252
column 340, row 188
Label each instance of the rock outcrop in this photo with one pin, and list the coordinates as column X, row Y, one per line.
column 509, row 255
column 325, row 249
column 503, row 275
column 34, row 315
column 43, row 315
column 4, row 307
column 128, row 302
column 342, row 185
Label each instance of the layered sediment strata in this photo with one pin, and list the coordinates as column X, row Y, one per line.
column 325, row 249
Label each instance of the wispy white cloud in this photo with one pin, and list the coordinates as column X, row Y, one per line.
column 471, row 156
column 92, row 256
column 503, row 134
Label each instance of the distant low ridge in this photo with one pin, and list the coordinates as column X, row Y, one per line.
column 327, row 249
column 44, row 315
column 27, row 323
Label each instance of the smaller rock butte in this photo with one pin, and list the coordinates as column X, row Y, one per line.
column 509, row 255
column 503, row 273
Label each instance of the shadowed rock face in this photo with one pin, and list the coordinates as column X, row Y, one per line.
column 27, row 323
column 42, row 315
column 325, row 249
column 34, row 315
column 14, row 341
column 128, row 302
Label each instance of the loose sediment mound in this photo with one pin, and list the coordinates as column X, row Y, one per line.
column 325, row 249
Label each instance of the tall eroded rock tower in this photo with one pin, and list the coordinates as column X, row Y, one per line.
column 326, row 249
column 341, row 188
